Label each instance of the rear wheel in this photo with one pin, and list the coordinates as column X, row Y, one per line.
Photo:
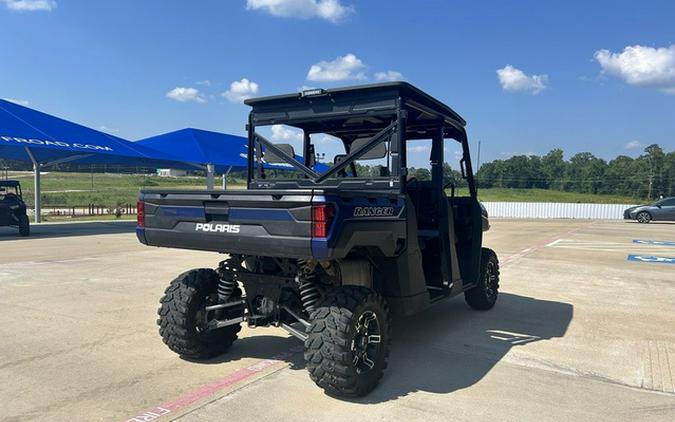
column 643, row 217
column 348, row 341
column 24, row 225
column 484, row 295
column 183, row 320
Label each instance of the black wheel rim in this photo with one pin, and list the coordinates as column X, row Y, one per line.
column 366, row 344
column 491, row 280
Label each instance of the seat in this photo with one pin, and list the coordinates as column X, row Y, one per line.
column 337, row 160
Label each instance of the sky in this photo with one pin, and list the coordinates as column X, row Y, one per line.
column 528, row 76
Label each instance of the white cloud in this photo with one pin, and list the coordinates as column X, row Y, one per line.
column 205, row 82
column 324, row 139
column 330, row 10
column 241, row 90
column 186, row 95
column 389, row 75
column 281, row 133
column 19, row 102
column 641, row 66
column 342, row 68
column 419, row 149
column 634, row 144
column 30, row 5
column 515, row 80
column 458, row 154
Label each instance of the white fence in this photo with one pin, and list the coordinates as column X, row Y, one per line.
column 555, row 210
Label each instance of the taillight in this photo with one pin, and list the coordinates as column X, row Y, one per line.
column 140, row 213
column 322, row 217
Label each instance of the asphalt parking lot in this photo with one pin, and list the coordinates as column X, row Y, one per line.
column 580, row 332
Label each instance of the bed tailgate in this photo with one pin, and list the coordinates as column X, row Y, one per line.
column 273, row 223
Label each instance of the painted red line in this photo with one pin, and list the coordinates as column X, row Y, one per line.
column 541, row 244
column 212, row 388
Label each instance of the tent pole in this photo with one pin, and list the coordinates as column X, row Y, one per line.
column 225, row 177
column 36, row 184
column 210, row 170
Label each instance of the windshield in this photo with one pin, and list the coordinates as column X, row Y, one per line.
column 320, row 157
column 7, row 192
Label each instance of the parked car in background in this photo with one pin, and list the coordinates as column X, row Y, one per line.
column 661, row 210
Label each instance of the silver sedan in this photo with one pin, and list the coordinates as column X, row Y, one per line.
column 662, row 210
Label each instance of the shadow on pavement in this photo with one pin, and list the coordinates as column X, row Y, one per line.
column 451, row 347
column 47, row 230
column 288, row 349
column 447, row 348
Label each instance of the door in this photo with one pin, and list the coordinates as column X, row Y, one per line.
column 665, row 210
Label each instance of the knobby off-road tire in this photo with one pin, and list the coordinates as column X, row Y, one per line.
column 182, row 317
column 484, row 295
column 24, row 225
column 348, row 341
column 643, row 217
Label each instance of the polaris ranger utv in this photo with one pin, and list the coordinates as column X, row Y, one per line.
column 327, row 256
column 12, row 207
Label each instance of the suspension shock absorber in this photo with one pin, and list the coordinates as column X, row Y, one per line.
column 309, row 295
column 227, row 281
column 226, row 286
column 309, row 291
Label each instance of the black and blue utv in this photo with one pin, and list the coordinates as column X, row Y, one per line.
column 12, row 207
column 330, row 255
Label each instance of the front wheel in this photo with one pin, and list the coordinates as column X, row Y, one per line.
column 183, row 320
column 24, row 225
column 348, row 341
column 484, row 295
column 643, row 217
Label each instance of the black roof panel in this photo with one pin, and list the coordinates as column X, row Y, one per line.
column 10, row 183
column 404, row 90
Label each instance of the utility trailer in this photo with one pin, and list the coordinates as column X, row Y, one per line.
column 329, row 256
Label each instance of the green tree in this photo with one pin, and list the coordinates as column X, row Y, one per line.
column 585, row 173
column 553, row 167
column 420, row 174
column 655, row 160
column 669, row 174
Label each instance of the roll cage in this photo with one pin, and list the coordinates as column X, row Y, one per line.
column 6, row 184
column 373, row 114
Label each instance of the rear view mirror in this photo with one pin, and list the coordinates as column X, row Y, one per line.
column 272, row 158
column 377, row 152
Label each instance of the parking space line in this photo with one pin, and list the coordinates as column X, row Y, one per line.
column 551, row 241
column 555, row 242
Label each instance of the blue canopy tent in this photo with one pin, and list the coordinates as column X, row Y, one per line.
column 219, row 152
column 45, row 140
